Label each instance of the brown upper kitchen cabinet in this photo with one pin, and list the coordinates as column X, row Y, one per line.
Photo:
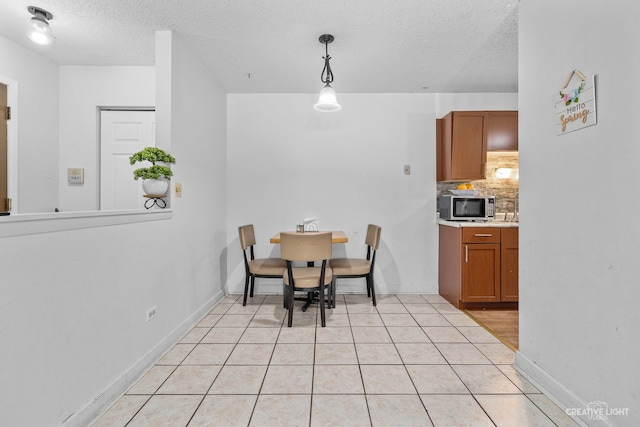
column 502, row 131
column 439, row 171
column 464, row 137
column 462, row 145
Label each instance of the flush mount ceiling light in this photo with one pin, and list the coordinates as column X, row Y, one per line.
column 39, row 31
column 327, row 100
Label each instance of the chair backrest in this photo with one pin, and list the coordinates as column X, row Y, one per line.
column 305, row 246
column 247, row 236
column 373, row 236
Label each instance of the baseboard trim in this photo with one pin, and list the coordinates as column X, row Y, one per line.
column 553, row 389
column 103, row 401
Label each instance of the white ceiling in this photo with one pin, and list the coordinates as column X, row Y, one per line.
column 271, row 46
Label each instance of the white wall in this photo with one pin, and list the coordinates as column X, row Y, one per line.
column 579, row 267
column 286, row 162
column 82, row 90
column 73, row 303
column 36, row 116
column 198, row 135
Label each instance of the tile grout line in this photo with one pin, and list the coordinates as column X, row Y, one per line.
column 355, row 350
column 386, row 327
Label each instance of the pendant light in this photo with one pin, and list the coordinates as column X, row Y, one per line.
column 327, row 100
column 39, row 31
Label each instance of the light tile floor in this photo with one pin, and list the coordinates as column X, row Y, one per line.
column 414, row 360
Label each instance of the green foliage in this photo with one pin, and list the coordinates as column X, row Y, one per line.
column 152, row 172
column 153, row 155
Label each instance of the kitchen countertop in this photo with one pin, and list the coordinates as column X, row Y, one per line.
column 460, row 224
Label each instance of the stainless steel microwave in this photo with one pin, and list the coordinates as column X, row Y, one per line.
column 467, row 208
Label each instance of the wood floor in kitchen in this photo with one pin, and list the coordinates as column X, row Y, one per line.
column 501, row 323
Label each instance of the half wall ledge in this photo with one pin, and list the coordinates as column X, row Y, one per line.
column 25, row 224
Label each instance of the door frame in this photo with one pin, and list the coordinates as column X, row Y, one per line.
column 12, row 141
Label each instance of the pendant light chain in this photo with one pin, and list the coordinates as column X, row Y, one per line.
column 327, row 67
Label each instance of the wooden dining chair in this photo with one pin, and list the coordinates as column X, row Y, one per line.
column 344, row 268
column 307, row 248
column 256, row 267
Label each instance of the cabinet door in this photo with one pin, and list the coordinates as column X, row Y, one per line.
column 439, row 155
column 502, row 130
column 449, row 263
column 509, row 267
column 481, row 272
column 468, row 146
column 461, row 153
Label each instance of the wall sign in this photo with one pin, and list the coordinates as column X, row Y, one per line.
column 576, row 103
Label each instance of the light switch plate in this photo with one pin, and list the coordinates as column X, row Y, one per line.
column 75, row 176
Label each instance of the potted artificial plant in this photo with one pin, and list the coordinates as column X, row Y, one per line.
column 155, row 177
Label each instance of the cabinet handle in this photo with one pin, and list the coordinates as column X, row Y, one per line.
column 483, row 235
column 466, row 253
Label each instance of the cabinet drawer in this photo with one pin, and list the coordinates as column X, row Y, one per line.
column 480, row 235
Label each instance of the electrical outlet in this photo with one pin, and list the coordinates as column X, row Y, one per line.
column 152, row 312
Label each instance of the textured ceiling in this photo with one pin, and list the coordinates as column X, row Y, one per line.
column 271, row 46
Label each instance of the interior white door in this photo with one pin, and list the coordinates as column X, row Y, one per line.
column 123, row 133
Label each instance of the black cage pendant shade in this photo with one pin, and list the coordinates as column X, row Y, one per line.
column 327, row 100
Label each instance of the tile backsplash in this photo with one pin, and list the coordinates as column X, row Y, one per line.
column 504, row 189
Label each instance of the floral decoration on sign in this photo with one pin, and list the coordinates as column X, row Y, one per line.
column 572, row 95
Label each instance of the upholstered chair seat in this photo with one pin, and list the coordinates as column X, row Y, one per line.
column 308, row 277
column 267, row 266
column 350, row 266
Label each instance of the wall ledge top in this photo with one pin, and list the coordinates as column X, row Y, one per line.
column 26, row 224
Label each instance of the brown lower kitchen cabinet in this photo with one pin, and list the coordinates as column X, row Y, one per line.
column 509, row 261
column 481, row 264
column 478, row 265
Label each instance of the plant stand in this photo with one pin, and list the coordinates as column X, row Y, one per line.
column 155, row 200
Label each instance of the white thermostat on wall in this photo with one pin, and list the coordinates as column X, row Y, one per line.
column 75, row 176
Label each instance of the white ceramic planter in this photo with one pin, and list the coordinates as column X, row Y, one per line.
column 155, row 187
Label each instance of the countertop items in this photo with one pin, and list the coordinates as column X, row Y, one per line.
column 462, row 224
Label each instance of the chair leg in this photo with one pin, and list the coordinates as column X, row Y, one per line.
column 253, row 282
column 322, row 304
column 333, row 292
column 284, row 296
column 290, row 305
column 246, row 290
column 368, row 287
column 371, row 287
